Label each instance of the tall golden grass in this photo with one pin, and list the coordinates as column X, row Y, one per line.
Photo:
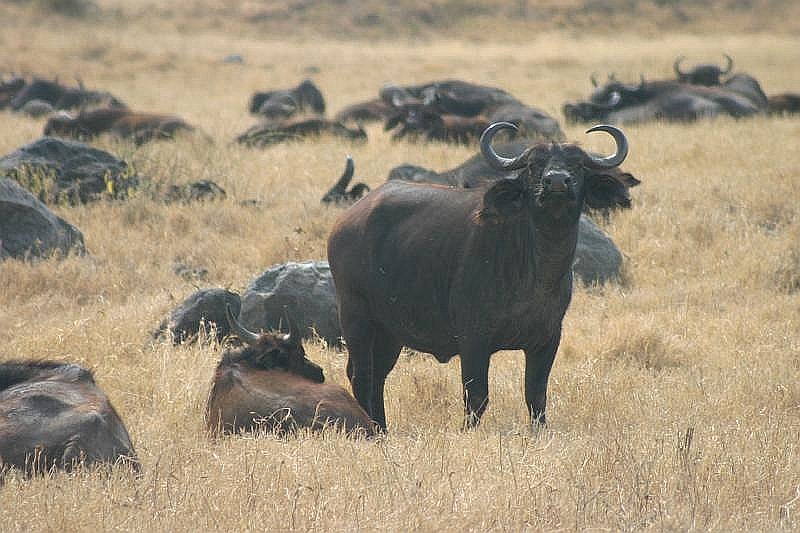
column 675, row 396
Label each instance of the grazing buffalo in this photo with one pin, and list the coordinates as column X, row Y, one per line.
column 477, row 172
column 269, row 384
column 783, row 103
column 703, row 74
column 306, row 97
column 465, row 271
column 63, row 97
column 338, row 194
column 122, row 123
column 739, row 96
column 53, row 415
column 268, row 133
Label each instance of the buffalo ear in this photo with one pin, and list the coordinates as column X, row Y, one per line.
column 609, row 190
column 503, row 200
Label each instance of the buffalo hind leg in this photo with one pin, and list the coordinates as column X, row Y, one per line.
column 475, row 380
column 385, row 350
column 359, row 333
column 537, row 371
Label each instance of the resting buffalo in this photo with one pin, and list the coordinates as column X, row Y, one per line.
column 63, row 97
column 703, row 74
column 269, row 133
column 465, row 271
column 458, row 111
column 53, row 415
column 122, row 123
column 739, row 96
column 784, row 103
column 283, row 103
column 370, row 111
column 338, row 194
column 269, row 384
column 477, row 172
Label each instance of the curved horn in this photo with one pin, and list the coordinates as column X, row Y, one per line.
column 344, row 181
column 242, row 332
column 294, row 331
column 730, row 64
column 497, row 161
column 677, row 66
column 622, row 147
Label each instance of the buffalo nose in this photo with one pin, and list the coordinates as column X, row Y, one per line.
column 556, row 181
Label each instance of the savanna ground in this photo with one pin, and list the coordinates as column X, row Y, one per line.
column 675, row 396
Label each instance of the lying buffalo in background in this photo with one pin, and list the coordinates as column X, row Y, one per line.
column 53, row 415
column 611, row 190
column 784, row 103
column 62, row 97
column 704, row 74
column 9, row 89
column 123, row 123
column 739, row 96
column 268, row 133
column 306, row 97
column 459, row 111
column 271, row 385
column 377, row 110
column 338, row 194
column 465, row 271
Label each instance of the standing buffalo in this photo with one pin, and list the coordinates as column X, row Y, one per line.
column 465, row 271
column 476, row 172
column 53, row 415
column 122, row 123
column 269, row 384
column 703, row 74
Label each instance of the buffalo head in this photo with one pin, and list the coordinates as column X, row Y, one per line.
column 703, row 74
column 338, row 194
column 555, row 178
column 274, row 351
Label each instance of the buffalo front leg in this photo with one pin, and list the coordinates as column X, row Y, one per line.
column 537, row 371
column 475, row 380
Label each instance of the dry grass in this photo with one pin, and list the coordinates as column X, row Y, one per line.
column 675, row 398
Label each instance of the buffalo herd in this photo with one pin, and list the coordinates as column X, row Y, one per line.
column 466, row 261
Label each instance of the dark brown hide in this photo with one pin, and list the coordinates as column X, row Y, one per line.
column 53, row 415
column 271, row 385
column 370, row 111
column 122, row 123
column 423, row 122
column 784, row 103
column 293, row 130
column 305, row 97
column 464, row 271
column 611, row 192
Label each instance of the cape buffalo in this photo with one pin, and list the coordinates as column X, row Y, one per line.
column 268, row 133
column 459, row 111
column 618, row 102
column 376, row 110
column 270, row 384
column 305, row 97
column 465, row 271
column 703, row 74
column 476, row 172
column 784, row 103
column 338, row 194
column 63, row 97
column 122, row 123
column 53, row 415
